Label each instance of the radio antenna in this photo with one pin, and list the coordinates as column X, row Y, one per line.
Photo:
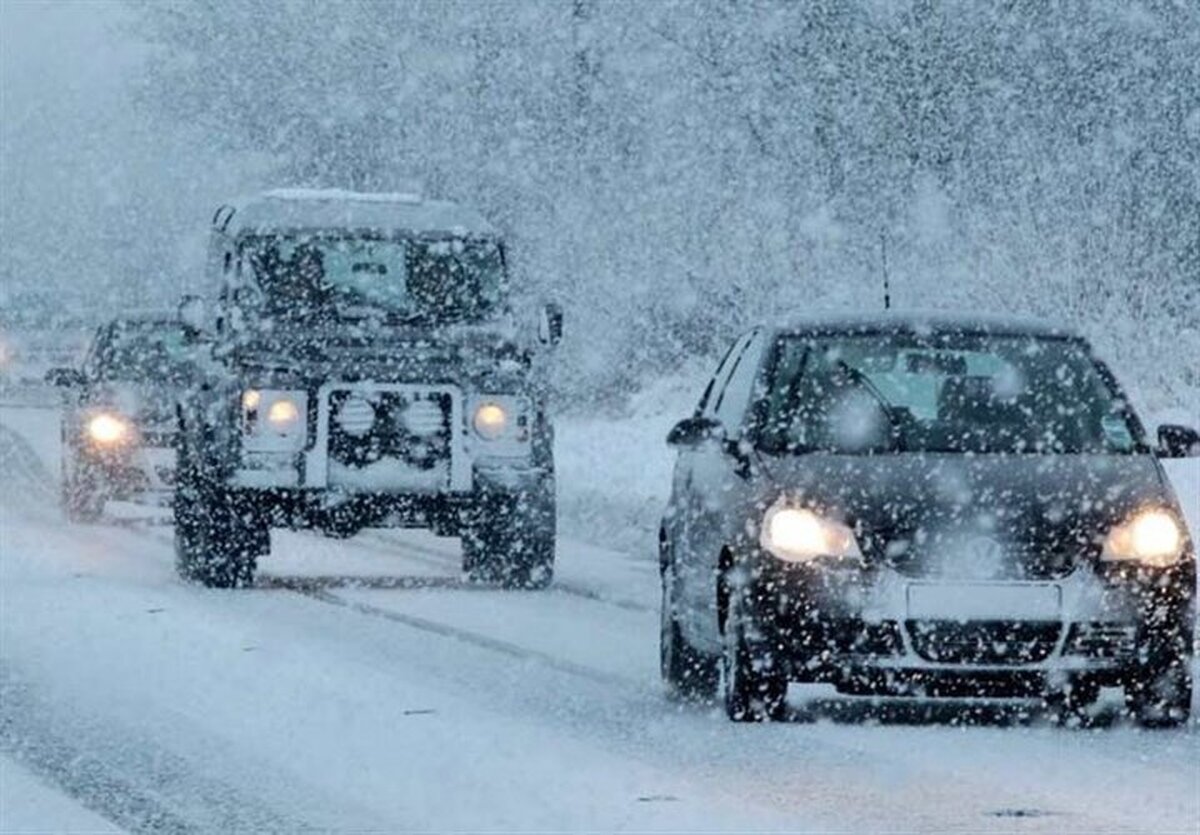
column 887, row 294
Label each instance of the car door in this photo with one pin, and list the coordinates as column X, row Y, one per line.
column 714, row 483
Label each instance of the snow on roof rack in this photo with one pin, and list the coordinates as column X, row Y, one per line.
column 342, row 194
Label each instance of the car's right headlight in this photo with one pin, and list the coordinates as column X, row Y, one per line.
column 798, row 534
column 1152, row 537
column 274, row 419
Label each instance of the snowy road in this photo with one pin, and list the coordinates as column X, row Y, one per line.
column 361, row 686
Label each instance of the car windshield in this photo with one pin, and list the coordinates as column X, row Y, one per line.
column 958, row 393
column 142, row 351
column 319, row 277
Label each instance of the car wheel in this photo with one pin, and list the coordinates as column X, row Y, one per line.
column 689, row 675
column 215, row 545
column 1160, row 696
column 510, row 540
column 1071, row 705
column 755, row 689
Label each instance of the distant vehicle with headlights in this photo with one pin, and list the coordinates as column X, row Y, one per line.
column 119, row 415
column 926, row 506
column 367, row 370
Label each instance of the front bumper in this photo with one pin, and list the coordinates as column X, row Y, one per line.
column 140, row 473
column 829, row 623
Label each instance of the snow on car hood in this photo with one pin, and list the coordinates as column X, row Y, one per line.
column 983, row 516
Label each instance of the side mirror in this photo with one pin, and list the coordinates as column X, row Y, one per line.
column 693, row 431
column 1175, row 441
column 192, row 313
column 550, row 325
column 65, row 377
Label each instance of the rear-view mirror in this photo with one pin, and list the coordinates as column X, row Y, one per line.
column 550, row 324
column 694, row 431
column 1176, row 441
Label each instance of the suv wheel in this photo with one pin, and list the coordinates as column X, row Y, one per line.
column 755, row 688
column 1160, row 696
column 510, row 540
column 690, row 675
column 214, row 544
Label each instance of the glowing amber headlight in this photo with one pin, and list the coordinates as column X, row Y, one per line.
column 800, row 535
column 1152, row 537
column 108, row 429
column 283, row 414
column 250, row 399
column 490, row 420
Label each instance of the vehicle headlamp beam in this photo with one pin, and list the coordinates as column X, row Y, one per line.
column 798, row 534
column 1151, row 537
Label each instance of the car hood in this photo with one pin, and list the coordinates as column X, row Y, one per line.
column 981, row 516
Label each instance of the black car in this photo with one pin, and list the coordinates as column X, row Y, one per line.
column 119, row 418
column 925, row 505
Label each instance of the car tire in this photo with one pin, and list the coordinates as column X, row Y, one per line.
column 82, row 498
column 215, row 544
column 689, row 675
column 510, row 539
column 754, row 686
column 1160, row 696
column 1071, row 705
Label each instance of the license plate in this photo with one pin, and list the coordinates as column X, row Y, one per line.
column 984, row 601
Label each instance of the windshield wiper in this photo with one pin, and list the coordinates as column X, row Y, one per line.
column 890, row 409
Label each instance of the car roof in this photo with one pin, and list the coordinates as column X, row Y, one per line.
column 285, row 210
column 928, row 323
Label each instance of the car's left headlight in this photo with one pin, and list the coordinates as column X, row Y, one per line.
column 109, row 429
column 798, row 534
column 1152, row 537
column 500, row 420
column 274, row 420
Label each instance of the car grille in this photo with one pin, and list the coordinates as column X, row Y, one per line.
column 411, row 427
column 984, row 642
column 1102, row 640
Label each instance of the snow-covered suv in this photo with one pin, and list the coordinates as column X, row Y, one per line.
column 925, row 505
column 366, row 370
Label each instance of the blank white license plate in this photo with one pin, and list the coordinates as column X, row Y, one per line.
column 984, row 601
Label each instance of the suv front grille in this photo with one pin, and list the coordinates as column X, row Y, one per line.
column 984, row 641
column 404, row 426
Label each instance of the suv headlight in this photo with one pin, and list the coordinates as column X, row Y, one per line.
column 274, row 419
column 501, row 419
column 1151, row 537
column 797, row 534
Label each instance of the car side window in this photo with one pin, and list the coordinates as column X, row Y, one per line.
column 731, row 405
column 717, row 383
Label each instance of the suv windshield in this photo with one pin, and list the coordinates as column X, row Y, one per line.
column 957, row 393
column 320, row 277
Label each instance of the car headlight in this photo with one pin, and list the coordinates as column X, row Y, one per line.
column 274, row 419
column 501, row 418
column 490, row 420
column 1152, row 537
column 109, row 429
column 797, row 534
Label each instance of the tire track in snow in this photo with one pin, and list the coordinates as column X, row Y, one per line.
column 445, row 630
column 121, row 775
